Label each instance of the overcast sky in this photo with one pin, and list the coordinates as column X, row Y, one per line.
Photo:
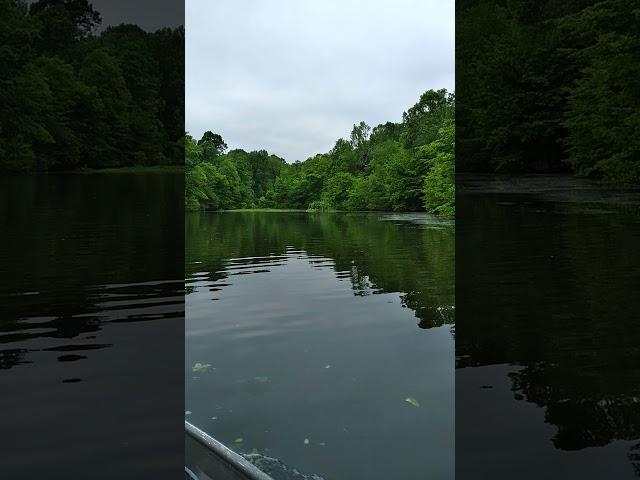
column 293, row 76
column 148, row 14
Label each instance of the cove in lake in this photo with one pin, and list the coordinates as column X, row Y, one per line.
column 548, row 331
column 323, row 342
column 92, row 302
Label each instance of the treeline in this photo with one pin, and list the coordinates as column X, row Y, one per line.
column 549, row 85
column 70, row 98
column 406, row 166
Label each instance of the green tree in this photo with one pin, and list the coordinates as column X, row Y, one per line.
column 439, row 183
column 62, row 23
column 337, row 189
column 549, row 87
column 603, row 114
column 71, row 98
column 212, row 145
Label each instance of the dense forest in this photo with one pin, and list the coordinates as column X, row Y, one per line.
column 549, row 86
column 72, row 98
column 405, row 166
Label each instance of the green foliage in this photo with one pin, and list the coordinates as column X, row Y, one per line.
column 603, row 115
column 439, row 183
column 405, row 166
column 549, row 86
column 70, row 99
column 225, row 181
column 212, row 146
column 336, row 190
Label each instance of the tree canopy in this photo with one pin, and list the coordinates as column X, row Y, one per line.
column 549, row 86
column 405, row 166
column 71, row 98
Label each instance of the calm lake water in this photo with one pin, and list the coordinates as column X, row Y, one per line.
column 92, row 317
column 548, row 330
column 323, row 342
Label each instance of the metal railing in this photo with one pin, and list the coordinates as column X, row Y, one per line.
column 208, row 459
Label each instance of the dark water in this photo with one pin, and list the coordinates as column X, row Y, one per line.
column 307, row 333
column 92, row 307
column 548, row 330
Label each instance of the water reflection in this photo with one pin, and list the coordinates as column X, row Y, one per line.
column 117, row 303
column 302, row 347
column 547, row 285
column 367, row 249
column 91, row 293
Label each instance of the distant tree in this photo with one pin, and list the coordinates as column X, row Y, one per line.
column 360, row 134
column 439, row 183
column 336, row 190
column 63, row 23
column 425, row 118
column 212, row 145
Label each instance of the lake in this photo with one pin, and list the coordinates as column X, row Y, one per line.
column 321, row 345
column 92, row 317
column 547, row 331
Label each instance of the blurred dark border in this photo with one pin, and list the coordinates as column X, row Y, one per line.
column 92, row 221
column 548, row 164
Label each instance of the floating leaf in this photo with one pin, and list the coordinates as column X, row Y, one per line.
column 238, row 440
column 412, row 401
column 200, row 367
column 261, row 379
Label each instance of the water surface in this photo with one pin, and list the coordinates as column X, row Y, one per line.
column 92, row 317
column 307, row 333
column 548, row 331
